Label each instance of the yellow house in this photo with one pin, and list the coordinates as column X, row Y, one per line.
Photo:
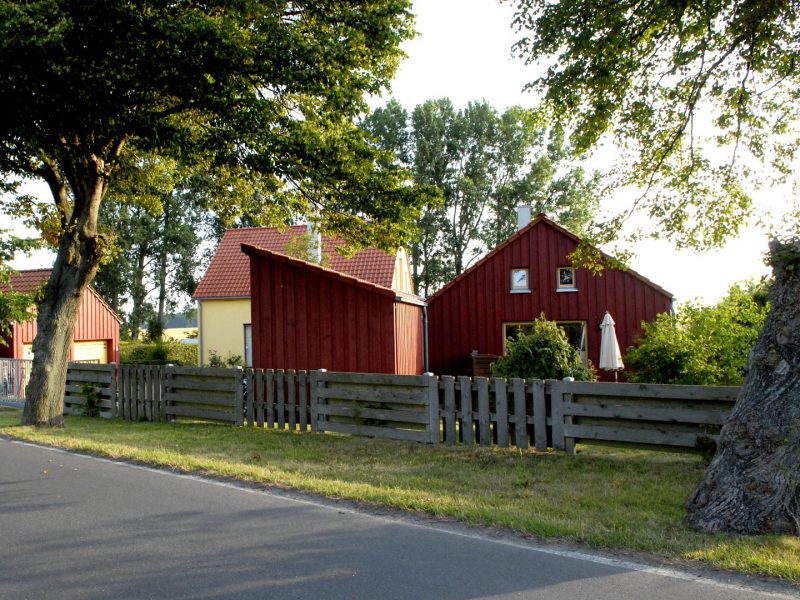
column 223, row 296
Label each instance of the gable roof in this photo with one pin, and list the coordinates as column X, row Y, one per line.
column 540, row 219
column 228, row 274
column 30, row 280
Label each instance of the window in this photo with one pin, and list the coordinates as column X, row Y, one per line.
column 520, row 281
column 248, row 345
column 565, row 280
column 574, row 330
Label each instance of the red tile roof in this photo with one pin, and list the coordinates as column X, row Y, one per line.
column 27, row 281
column 228, row 274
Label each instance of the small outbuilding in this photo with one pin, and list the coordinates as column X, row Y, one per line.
column 307, row 316
column 96, row 334
column 471, row 318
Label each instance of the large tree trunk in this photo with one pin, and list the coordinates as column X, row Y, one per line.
column 55, row 322
column 753, row 483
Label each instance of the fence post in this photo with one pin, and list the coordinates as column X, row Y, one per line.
column 466, row 409
column 556, row 406
column 501, row 412
column 520, row 414
column 113, row 390
column 539, row 415
column 483, row 411
column 317, row 377
column 302, row 389
column 433, row 407
column 239, row 399
column 449, row 409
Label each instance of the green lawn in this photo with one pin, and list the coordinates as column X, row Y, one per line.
column 603, row 497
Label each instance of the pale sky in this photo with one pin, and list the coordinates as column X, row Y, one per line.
column 463, row 51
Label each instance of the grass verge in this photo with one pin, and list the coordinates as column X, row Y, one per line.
column 622, row 499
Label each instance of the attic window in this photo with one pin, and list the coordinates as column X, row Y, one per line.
column 565, row 280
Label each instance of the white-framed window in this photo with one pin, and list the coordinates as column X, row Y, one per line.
column 520, row 280
column 574, row 330
column 248, row 344
column 566, row 280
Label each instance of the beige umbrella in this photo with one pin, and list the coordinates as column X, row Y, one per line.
column 610, row 356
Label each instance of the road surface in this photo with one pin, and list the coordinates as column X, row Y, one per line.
column 73, row 526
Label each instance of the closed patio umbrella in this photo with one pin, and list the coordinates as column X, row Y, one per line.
column 610, row 356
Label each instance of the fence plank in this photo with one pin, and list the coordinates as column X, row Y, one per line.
column 466, row 409
column 653, row 390
column 449, row 409
column 501, row 412
column 239, row 398
column 191, row 411
column 483, row 410
column 633, row 435
column 433, row 409
column 291, row 399
column 372, row 392
column 375, row 379
column 379, row 414
column 315, row 400
column 270, row 399
column 569, row 441
column 539, row 415
column 280, row 383
column 250, row 407
column 556, row 404
column 302, row 401
column 683, row 414
column 520, row 414
column 259, row 397
column 379, row 432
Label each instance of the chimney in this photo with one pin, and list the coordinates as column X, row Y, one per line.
column 523, row 216
column 314, row 243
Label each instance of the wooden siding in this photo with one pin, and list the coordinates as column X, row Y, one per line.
column 469, row 313
column 305, row 319
column 95, row 322
column 408, row 339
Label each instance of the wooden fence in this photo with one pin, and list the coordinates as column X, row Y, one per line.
column 101, row 377
column 14, row 376
column 463, row 410
column 665, row 415
column 402, row 407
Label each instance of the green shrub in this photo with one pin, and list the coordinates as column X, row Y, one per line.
column 148, row 353
column 542, row 353
column 91, row 394
column 217, row 361
column 701, row 345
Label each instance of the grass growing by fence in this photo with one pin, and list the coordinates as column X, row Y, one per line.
column 625, row 499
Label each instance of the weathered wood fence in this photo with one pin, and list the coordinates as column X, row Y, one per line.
column 450, row 410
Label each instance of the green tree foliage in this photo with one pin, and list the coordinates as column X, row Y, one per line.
column 485, row 163
column 701, row 345
column 543, row 352
column 266, row 91
column 697, row 92
column 14, row 306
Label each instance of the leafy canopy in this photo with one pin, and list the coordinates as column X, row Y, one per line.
column 701, row 345
column 696, row 93
column 266, row 91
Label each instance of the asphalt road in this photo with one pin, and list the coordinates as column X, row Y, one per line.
column 73, row 526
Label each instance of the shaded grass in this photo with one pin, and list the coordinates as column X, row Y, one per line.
column 605, row 497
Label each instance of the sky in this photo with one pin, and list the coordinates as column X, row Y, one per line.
column 463, row 51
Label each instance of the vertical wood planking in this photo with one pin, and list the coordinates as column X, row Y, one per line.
column 433, row 408
column 135, row 371
column 466, row 409
column 291, row 399
column 302, row 389
column 113, row 390
column 279, row 383
column 520, row 414
column 238, row 407
column 569, row 442
column 259, row 395
column 314, row 383
column 501, row 412
column 249, row 376
column 539, row 415
column 449, row 409
column 483, row 411
column 270, row 375
column 556, row 401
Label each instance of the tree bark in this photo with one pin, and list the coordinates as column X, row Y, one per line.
column 753, row 484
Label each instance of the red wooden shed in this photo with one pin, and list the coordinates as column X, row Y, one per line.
column 305, row 316
column 96, row 333
column 525, row 276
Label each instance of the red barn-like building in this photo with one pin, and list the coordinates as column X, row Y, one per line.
column 527, row 275
column 305, row 316
column 96, row 333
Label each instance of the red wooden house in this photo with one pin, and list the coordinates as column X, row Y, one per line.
column 306, row 316
column 96, row 333
column 525, row 276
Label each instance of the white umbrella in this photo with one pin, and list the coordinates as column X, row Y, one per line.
column 610, row 356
